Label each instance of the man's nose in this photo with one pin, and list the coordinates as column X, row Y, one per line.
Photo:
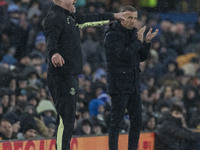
column 133, row 21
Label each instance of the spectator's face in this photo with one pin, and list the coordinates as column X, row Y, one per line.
column 151, row 123
column 6, row 129
column 48, row 113
column 43, row 93
column 36, row 61
column 16, row 127
column 22, row 84
column 103, row 80
column 91, row 9
column 87, row 86
column 13, row 84
column 156, row 45
column 168, row 92
column 5, row 100
column 97, row 129
column 101, row 109
column 86, row 115
column 31, row 133
column 165, row 26
column 171, row 67
column 98, row 91
column 86, row 129
column 130, row 20
column 25, row 61
column 180, row 28
column 151, row 81
column 33, row 102
column 190, row 94
column 41, row 47
column 197, row 66
column 51, row 132
column 1, row 110
column 178, row 93
column 87, row 69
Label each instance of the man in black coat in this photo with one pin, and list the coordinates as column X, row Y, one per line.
column 172, row 133
column 65, row 60
column 125, row 49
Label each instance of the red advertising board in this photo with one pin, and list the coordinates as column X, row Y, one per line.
column 146, row 142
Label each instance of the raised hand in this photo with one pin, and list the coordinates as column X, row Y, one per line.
column 150, row 35
column 140, row 34
column 57, row 60
column 120, row 15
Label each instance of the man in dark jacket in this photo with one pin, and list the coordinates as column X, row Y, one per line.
column 172, row 133
column 125, row 49
column 65, row 60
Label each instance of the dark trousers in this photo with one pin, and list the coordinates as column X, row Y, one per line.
column 63, row 89
column 133, row 104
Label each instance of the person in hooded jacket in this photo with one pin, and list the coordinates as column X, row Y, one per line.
column 125, row 49
column 173, row 134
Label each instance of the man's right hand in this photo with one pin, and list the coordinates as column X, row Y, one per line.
column 57, row 60
column 140, row 34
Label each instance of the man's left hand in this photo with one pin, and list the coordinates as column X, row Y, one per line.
column 150, row 35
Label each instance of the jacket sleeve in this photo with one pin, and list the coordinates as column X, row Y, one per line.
column 144, row 52
column 114, row 41
column 53, row 26
column 86, row 20
column 183, row 133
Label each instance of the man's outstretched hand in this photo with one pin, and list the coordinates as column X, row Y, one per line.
column 57, row 60
column 120, row 15
column 150, row 35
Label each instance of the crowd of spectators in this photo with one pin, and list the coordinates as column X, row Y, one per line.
column 170, row 76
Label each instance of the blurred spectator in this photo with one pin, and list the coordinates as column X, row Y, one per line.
column 28, row 127
column 40, row 46
column 150, row 123
column 86, row 127
column 96, row 107
column 6, row 129
column 15, row 122
column 172, row 132
column 51, row 129
column 99, row 127
column 4, row 99
column 46, row 108
column 192, row 67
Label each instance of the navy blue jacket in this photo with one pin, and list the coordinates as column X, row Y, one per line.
column 124, row 52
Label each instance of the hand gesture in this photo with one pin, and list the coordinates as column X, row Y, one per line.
column 57, row 60
column 120, row 15
column 140, row 34
column 150, row 35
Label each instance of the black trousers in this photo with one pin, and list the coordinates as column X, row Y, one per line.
column 133, row 104
column 63, row 89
